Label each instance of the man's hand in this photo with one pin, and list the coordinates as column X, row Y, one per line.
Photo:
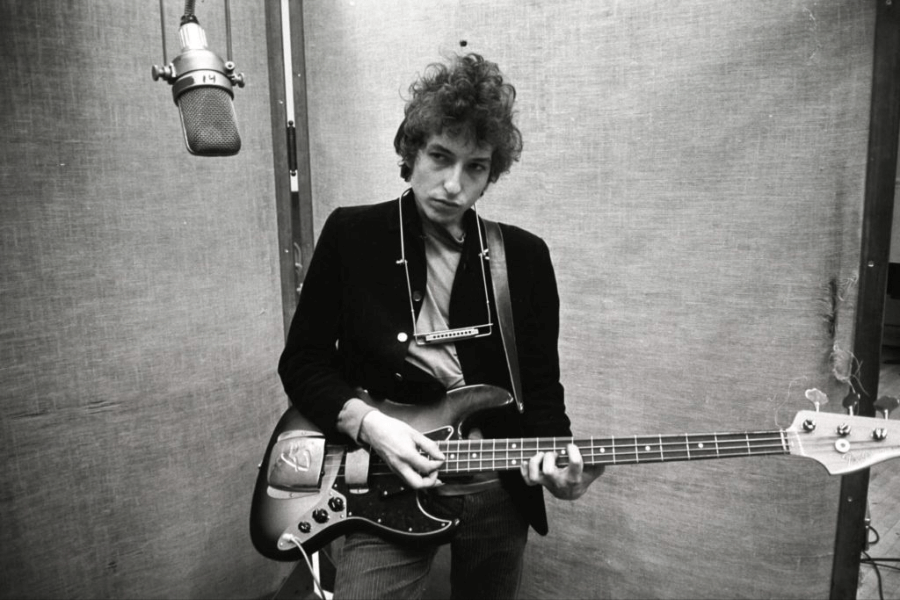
column 569, row 483
column 400, row 445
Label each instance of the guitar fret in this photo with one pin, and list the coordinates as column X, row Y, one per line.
column 680, row 449
column 468, row 456
column 494, row 455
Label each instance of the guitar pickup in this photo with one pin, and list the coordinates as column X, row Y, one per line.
column 296, row 461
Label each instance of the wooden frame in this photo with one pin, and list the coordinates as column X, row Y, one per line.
column 850, row 536
column 293, row 186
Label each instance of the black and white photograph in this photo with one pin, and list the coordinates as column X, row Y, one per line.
column 449, row 299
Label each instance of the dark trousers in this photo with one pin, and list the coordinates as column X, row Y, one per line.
column 487, row 551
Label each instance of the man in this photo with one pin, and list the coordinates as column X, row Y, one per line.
column 382, row 275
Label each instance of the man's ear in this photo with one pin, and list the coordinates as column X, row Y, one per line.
column 405, row 171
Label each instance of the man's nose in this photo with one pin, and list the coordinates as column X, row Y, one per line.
column 453, row 181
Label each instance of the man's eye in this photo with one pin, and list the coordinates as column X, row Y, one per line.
column 438, row 157
column 478, row 167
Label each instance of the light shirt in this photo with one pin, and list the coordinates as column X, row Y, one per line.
column 442, row 254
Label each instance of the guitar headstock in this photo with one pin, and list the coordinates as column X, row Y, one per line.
column 844, row 443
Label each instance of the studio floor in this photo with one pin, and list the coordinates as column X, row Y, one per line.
column 884, row 498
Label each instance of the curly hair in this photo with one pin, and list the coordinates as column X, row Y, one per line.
column 467, row 97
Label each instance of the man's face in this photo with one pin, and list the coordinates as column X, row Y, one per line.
column 449, row 176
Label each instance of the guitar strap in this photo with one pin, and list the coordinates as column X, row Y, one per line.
column 500, row 281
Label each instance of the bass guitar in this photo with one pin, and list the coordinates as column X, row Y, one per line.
column 308, row 492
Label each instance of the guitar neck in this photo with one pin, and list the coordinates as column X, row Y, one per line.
column 474, row 456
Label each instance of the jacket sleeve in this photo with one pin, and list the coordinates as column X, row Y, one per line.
column 536, row 315
column 310, row 363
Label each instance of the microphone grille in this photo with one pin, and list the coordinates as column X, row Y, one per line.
column 209, row 122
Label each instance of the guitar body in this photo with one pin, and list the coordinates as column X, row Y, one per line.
column 310, row 492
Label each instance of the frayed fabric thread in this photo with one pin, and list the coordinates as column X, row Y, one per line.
column 845, row 368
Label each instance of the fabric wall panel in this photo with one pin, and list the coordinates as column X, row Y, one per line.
column 697, row 170
column 141, row 315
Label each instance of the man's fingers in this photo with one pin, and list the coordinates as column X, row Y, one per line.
column 429, row 447
column 431, row 480
column 548, row 464
column 576, row 462
column 423, row 466
column 418, row 481
column 409, row 475
column 569, row 482
column 533, row 469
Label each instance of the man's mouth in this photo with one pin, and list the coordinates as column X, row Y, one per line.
column 443, row 202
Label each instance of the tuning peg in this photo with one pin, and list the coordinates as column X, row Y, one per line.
column 851, row 402
column 886, row 404
column 817, row 397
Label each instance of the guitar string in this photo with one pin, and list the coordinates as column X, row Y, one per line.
column 623, row 446
column 625, row 441
column 727, row 441
column 620, row 451
column 469, row 465
column 624, row 455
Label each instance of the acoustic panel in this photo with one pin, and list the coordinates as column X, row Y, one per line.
column 141, row 316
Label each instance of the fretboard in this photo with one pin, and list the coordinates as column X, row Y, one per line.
column 473, row 456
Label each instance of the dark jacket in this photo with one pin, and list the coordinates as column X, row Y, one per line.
column 353, row 323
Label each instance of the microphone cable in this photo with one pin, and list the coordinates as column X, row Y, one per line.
column 878, row 563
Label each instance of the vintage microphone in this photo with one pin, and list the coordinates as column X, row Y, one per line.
column 203, row 88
